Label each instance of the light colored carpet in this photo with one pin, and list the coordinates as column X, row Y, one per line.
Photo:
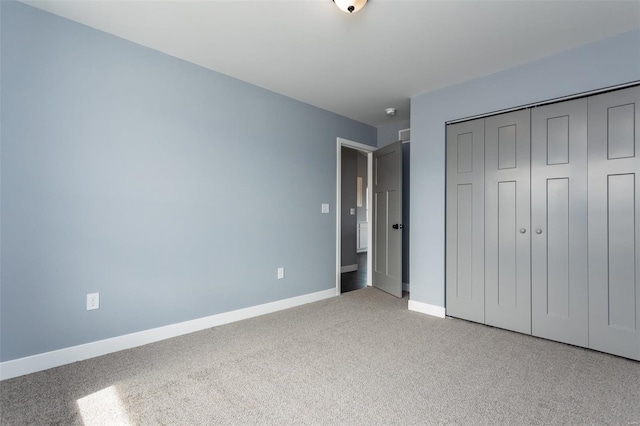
column 361, row 358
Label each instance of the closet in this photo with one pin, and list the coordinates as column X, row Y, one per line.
column 543, row 221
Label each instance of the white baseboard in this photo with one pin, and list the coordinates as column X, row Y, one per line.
column 425, row 308
column 348, row 268
column 44, row 361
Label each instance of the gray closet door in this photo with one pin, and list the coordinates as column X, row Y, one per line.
column 614, row 222
column 559, row 222
column 507, row 218
column 465, row 220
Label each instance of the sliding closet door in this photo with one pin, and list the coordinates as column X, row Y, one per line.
column 559, row 222
column 507, row 218
column 465, row 220
column 614, row 222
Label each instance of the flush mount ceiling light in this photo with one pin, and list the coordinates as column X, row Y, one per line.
column 350, row 6
column 390, row 111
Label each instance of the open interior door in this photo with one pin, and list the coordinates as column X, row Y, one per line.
column 387, row 219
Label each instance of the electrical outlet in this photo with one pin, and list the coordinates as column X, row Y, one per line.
column 93, row 301
column 280, row 273
column 325, row 207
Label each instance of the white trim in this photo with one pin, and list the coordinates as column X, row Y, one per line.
column 338, row 213
column 349, row 268
column 370, row 212
column 44, row 361
column 368, row 149
column 425, row 308
column 356, row 145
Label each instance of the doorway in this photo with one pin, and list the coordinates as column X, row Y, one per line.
column 354, row 261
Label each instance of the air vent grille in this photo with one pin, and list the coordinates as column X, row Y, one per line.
column 405, row 135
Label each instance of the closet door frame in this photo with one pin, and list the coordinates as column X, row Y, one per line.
column 605, row 329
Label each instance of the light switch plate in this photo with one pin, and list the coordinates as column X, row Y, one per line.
column 325, row 207
column 352, row 211
column 280, row 273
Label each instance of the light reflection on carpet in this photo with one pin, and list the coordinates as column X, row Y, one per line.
column 103, row 408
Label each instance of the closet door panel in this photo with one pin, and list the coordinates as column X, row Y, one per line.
column 465, row 220
column 614, row 222
column 507, row 219
column 559, row 222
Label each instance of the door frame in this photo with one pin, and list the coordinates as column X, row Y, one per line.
column 367, row 149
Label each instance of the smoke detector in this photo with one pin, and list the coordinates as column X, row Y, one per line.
column 390, row 111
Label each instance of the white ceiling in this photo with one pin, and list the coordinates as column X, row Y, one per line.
column 354, row 65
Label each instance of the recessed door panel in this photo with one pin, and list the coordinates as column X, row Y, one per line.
column 464, row 230
column 614, row 222
column 558, row 252
column 465, row 153
column 507, row 240
column 380, row 232
column 559, row 222
column 394, row 238
column 465, row 221
column 620, row 131
column 622, row 251
column 507, row 147
column 557, row 139
column 507, row 217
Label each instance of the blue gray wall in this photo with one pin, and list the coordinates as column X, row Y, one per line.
column 612, row 61
column 388, row 133
column 172, row 190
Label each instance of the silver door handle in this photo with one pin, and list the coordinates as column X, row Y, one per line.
column 538, row 231
column 523, row 231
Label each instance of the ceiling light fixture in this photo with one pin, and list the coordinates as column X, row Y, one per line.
column 350, row 6
column 390, row 111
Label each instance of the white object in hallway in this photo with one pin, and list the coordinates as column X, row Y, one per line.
column 362, row 236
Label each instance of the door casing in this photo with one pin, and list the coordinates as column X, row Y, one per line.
column 367, row 149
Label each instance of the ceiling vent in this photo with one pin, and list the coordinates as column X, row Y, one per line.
column 405, row 135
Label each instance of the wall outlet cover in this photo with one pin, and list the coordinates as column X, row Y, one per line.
column 280, row 273
column 325, row 207
column 93, row 301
